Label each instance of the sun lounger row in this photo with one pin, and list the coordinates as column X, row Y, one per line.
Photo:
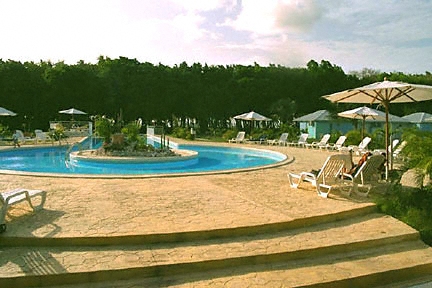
column 302, row 142
column 283, row 141
column 359, row 149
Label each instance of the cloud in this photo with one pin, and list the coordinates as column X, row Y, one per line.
column 255, row 16
column 138, row 29
column 207, row 5
column 353, row 34
column 275, row 29
column 298, row 15
column 386, row 35
column 277, row 16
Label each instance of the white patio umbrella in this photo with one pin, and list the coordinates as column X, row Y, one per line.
column 6, row 112
column 419, row 117
column 360, row 113
column 72, row 111
column 384, row 93
column 252, row 116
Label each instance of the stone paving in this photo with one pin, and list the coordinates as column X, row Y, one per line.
column 80, row 208
column 79, row 259
column 107, row 207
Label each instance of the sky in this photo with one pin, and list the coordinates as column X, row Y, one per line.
column 383, row 35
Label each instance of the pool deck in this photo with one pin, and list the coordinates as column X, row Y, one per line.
column 220, row 194
column 81, row 209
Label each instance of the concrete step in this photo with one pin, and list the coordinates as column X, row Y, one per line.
column 385, row 267
column 383, row 239
column 187, row 236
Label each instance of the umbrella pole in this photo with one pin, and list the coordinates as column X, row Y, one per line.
column 386, row 106
column 363, row 126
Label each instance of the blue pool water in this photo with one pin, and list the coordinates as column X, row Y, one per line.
column 210, row 158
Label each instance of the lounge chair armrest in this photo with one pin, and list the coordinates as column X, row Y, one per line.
column 303, row 176
column 309, row 177
column 18, row 195
column 33, row 193
column 347, row 176
column 291, row 177
column 308, row 174
column 8, row 196
column 323, row 190
column 331, row 146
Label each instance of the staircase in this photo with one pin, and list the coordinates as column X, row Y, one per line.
column 353, row 248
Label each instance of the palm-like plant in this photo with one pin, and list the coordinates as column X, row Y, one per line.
column 104, row 127
column 419, row 153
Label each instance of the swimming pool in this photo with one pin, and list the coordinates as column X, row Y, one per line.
column 53, row 160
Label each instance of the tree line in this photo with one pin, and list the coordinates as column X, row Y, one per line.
column 128, row 89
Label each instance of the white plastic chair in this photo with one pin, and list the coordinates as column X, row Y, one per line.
column 301, row 141
column 322, row 143
column 337, row 145
column 391, row 148
column 329, row 175
column 282, row 140
column 239, row 138
column 359, row 149
column 368, row 174
column 41, row 136
column 15, row 196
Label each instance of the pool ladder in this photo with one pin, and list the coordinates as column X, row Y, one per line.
column 69, row 150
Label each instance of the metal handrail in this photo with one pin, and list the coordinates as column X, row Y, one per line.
column 69, row 150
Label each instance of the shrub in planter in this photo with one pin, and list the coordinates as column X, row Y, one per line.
column 131, row 131
column 104, row 127
column 58, row 133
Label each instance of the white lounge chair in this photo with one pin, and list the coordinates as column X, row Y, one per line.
column 396, row 155
column 301, row 141
column 239, row 138
column 41, row 136
column 21, row 138
column 368, row 174
column 337, row 145
column 390, row 148
column 18, row 195
column 398, row 150
column 359, row 149
column 281, row 141
column 260, row 140
column 321, row 144
column 329, row 175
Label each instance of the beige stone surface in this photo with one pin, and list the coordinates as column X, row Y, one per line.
column 95, row 207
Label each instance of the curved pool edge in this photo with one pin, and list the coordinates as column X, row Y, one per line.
column 286, row 161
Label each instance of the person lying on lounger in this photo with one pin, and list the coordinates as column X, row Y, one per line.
column 354, row 167
column 362, row 160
